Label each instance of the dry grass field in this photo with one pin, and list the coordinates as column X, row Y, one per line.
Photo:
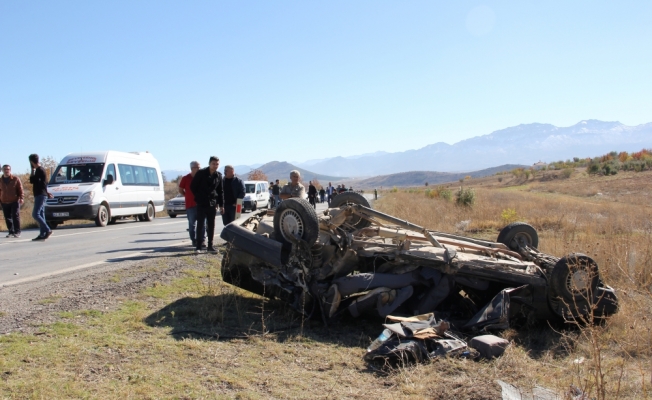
column 196, row 337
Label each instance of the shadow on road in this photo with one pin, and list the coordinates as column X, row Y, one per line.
column 155, row 240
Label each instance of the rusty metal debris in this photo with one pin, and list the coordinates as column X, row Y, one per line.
column 352, row 260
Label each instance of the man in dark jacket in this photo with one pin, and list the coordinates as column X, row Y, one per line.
column 312, row 194
column 234, row 189
column 38, row 179
column 208, row 189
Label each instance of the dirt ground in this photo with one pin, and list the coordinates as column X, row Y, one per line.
column 28, row 305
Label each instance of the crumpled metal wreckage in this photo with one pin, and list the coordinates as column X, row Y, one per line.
column 352, row 259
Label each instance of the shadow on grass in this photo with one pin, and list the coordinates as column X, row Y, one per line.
column 229, row 316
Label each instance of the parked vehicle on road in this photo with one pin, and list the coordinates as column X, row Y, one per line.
column 176, row 206
column 104, row 187
column 354, row 260
column 256, row 195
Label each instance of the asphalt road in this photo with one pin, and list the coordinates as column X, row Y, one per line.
column 75, row 247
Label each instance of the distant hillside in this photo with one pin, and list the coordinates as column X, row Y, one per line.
column 522, row 144
column 281, row 170
column 419, row 178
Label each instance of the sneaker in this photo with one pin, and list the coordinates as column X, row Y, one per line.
column 9, row 235
column 47, row 235
column 199, row 251
column 211, row 249
column 39, row 237
column 16, row 235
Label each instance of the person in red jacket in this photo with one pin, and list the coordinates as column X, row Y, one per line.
column 11, row 198
column 191, row 205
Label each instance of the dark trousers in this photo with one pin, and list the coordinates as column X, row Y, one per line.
column 229, row 215
column 11, row 212
column 311, row 199
column 205, row 214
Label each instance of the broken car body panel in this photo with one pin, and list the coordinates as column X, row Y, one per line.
column 361, row 261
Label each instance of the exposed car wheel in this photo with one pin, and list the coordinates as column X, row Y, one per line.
column 352, row 198
column 102, row 218
column 518, row 234
column 574, row 278
column 172, row 215
column 149, row 214
column 296, row 218
column 53, row 224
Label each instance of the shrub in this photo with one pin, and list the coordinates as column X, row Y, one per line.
column 444, row 193
column 500, row 179
column 593, row 168
column 509, row 215
column 567, row 172
column 393, row 190
column 465, row 197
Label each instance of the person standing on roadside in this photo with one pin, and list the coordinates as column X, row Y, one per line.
column 234, row 189
column 294, row 188
column 11, row 198
column 329, row 191
column 276, row 191
column 38, row 179
column 208, row 189
column 191, row 206
column 312, row 194
column 322, row 194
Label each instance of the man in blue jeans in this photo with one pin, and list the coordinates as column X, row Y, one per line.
column 38, row 179
column 191, row 206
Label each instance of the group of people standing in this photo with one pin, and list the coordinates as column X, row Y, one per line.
column 12, row 197
column 208, row 192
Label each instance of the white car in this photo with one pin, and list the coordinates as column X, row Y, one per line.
column 256, row 195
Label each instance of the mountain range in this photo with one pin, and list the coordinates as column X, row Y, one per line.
column 522, row 144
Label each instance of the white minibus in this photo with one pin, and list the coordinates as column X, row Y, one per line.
column 104, row 187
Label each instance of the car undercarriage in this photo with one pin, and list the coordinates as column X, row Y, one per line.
column 354, row 260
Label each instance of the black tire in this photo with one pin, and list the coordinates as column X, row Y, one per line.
column 103, row 216
column 150, row 214
column 296, row 218
column 172, row 215
column 53, row 224
column 254, row 206
column 574, row 279
column 518, row 234
column 352, row 198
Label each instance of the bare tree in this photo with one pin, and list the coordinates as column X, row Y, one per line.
column 257, row 175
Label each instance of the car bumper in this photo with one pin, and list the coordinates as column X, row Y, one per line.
column 64, row 213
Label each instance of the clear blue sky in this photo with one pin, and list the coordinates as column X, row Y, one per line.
column 256, row 81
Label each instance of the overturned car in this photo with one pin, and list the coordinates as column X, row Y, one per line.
column 352, row 259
